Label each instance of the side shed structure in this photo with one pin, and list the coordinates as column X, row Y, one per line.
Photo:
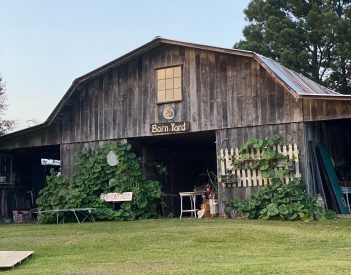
column 179, row 103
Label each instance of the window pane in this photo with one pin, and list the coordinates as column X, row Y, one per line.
column 169, row 94
column 161, row 96
column 161, row 74
column 161, row 85
column 177, row 82
column 178, row 94
column 178, row 71
column 169, row 83
column 169, row 73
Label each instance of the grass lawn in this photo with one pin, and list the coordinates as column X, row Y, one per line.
column 189, row 246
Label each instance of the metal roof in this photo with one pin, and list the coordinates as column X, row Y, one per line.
column 296, row 81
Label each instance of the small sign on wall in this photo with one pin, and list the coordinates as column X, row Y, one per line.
column 115, row 197
column 172, row 127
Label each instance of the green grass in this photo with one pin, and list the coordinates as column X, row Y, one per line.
column 211, row 246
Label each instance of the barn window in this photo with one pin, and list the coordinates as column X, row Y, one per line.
column 169, row 84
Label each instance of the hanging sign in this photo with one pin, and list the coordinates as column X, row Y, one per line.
column 172, row 127
column 111, row 197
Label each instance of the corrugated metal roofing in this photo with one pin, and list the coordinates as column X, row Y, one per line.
column 296, row 81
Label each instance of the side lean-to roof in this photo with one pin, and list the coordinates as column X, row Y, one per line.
column 298, row 85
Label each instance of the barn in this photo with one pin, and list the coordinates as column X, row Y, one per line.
column 181, row 104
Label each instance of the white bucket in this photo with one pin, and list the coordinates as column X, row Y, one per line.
column 213, row 206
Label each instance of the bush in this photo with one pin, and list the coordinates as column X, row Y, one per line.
column 94, row 176
column 282, row 201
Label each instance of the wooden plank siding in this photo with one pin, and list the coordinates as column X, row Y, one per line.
column 315, row 109
column 69, row 152
column 219, row 91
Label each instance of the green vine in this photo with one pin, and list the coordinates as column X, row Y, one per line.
column 278, row 200
column 269, row 160
column 94, row 176
column 282, row 201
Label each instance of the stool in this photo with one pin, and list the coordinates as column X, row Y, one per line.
column 192, row 197
column 346, row 191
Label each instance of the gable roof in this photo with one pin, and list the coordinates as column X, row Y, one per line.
column 297, row 84
column 128, row 57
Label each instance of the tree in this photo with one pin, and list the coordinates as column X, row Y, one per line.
column 309, row 36
column 5, row 125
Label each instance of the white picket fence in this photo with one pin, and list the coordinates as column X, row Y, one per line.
column 253, row 177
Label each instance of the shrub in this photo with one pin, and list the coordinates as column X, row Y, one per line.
column 94, row 176
column 282, row 201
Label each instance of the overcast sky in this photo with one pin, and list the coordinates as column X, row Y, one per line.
column 45, row 45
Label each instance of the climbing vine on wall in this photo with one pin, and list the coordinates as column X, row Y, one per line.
column 95, row 176
column 285, row 201
column 267, row 162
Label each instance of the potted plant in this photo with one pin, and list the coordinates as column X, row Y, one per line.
column 211, row 191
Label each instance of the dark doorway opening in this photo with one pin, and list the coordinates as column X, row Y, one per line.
column 187, row 159
column 336, row 136
column 28, row 177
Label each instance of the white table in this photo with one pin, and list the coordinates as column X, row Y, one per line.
column 87, row 211
column 192, row 196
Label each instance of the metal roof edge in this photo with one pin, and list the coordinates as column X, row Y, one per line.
column 326, row 96
column 258, row 58
column 207, row 47
column 292, row 86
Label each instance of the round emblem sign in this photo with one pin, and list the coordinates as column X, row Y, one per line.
column 168, row 113
column 112, row 158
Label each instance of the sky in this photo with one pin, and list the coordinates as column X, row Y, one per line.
column 45, row 45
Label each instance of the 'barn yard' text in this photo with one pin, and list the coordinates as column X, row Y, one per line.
column 172, row 127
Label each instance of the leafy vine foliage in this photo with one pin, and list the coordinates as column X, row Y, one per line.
column 269, row 160
column 94, row 176
column 278, row 200
column 282, row 201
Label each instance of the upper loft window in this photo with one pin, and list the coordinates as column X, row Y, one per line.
column 169, row 84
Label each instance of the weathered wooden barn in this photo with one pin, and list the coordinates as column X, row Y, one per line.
column 179, row 103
